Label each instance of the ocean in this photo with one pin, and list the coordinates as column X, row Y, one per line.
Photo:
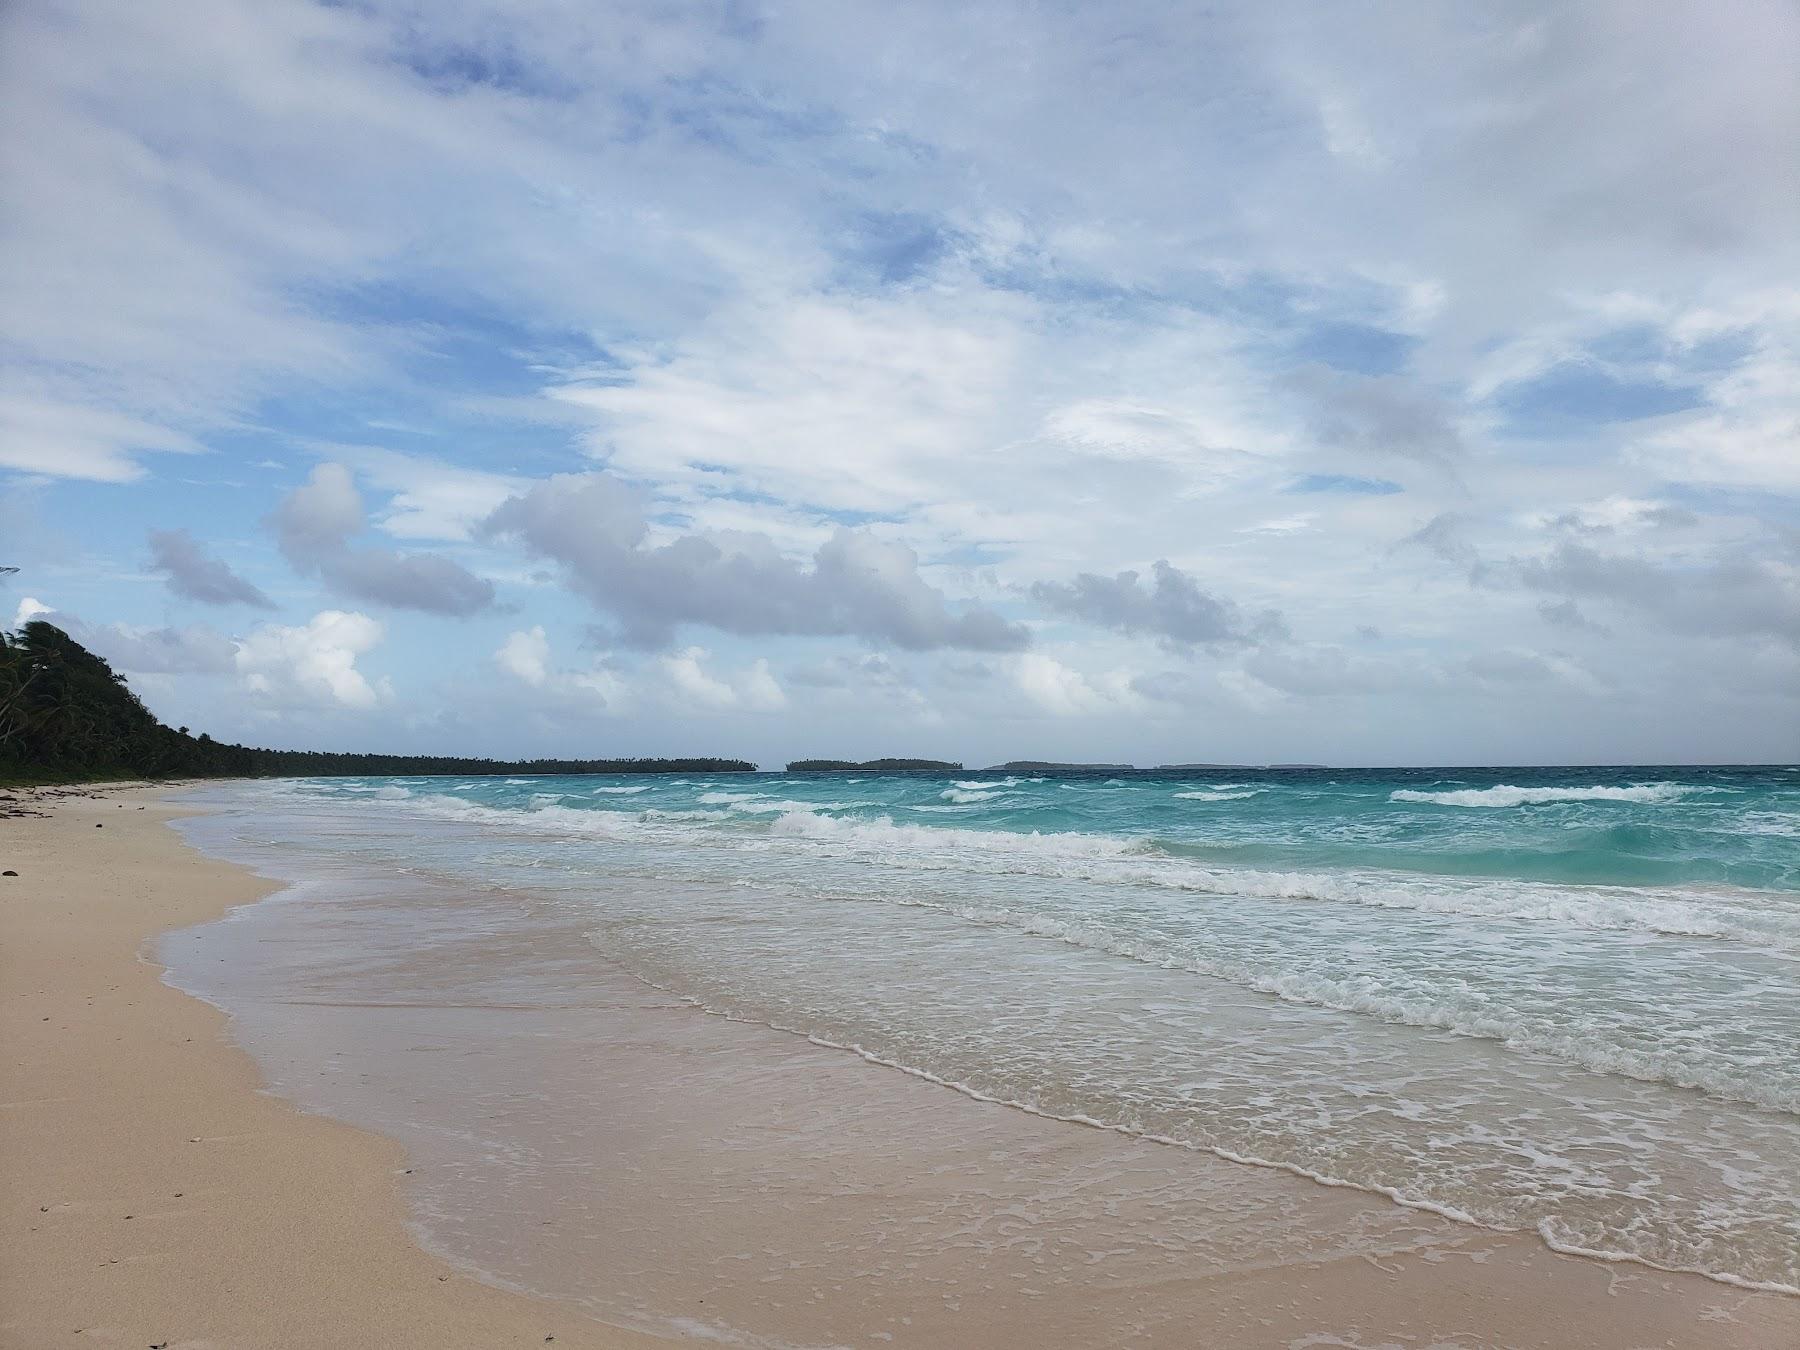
column 1558, row 1001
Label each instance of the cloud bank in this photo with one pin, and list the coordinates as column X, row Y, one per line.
column 857, row 586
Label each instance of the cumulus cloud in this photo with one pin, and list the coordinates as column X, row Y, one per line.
column 1061, row 691
column 1172, row 606
column 858, row 585
column 311, row 666
column 314, row 663
column 526, row 657
column 314, row 524
column 193, row 573
column 30, row 607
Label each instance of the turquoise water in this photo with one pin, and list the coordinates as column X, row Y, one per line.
column 1560, row 1000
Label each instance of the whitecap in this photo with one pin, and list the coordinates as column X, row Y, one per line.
column 1507, row 795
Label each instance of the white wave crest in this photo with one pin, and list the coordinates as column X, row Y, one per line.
column 621, row 791
column 772, row 807
column 968, row 796
column 1111, row 859
column 543, row 817
column 1217, row 795
column 1506, row 795
column 896, row 842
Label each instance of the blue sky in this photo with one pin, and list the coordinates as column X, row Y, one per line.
column 1359, row 384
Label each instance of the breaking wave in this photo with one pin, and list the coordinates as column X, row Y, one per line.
column 1505, row 795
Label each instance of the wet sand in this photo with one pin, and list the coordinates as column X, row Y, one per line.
column 150, row 1193
column 571, row 1131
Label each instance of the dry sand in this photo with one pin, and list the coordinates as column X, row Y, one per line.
column 150, row 1194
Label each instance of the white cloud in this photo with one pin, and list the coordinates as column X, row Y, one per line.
column 63, row 438
column 526, row 656
column 315, row 663
column 1003, row 337
column 431, row 499
column 692, row 685
column 29, row 608
column 843, row 401
column 759, row 688
column 1063, row 692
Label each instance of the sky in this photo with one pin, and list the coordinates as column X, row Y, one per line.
column 1373, row 384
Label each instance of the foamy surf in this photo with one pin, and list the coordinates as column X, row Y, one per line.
column 1571, row 1012
column 1507, row 795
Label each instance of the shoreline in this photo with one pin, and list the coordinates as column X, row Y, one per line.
column 305, row 1209
column 154, row 1191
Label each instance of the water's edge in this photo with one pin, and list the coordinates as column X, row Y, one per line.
column 295, row 889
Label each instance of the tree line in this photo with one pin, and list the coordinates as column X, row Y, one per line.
column 68, row 716
column 873, row 766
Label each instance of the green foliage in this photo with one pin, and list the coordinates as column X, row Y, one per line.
column 873, row 766
column 67, row 716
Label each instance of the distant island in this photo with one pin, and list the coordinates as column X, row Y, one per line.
column 873, row 766
column 67, row 716
column 1216, row 768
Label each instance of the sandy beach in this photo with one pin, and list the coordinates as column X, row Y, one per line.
column 153, row 1195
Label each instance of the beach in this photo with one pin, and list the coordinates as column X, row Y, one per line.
column 539, row 1112
column 153, row 1194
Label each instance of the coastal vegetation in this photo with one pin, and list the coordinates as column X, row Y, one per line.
column 67, row 716
column 873, row 766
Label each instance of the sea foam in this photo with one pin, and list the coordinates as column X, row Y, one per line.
column 1506, row 795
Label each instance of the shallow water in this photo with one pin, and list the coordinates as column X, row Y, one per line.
column 1559, row 1001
